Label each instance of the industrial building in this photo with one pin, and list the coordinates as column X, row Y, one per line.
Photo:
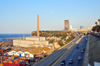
column 36, row 41
column 32, row 41
column 66, row 25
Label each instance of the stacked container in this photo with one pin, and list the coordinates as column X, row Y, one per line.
column 1, row 65
column 10, row 63
column 5, row 63
column 16, row 64
column 23, row 64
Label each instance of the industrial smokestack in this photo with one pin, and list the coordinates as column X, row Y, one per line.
column 37, row 25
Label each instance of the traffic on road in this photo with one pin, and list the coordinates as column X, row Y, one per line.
column 46, row 61
column 75, row 58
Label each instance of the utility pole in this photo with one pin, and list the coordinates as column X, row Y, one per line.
column 23, row 36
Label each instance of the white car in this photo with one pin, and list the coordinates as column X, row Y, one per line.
column 79, row 58
column 86, row 38
column 81, row 51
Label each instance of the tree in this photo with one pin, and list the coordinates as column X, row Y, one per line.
column 52, row 40
column 62, row 44
column 99, row 20
column 96, row 23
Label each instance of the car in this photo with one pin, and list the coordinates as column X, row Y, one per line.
column 70, row 61
column 79, row 58
column 83, row 48
column 81, row 51
column 72, row 42
column 63, row 62
column 77, row 47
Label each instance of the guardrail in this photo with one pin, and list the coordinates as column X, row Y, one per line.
column 95, row 34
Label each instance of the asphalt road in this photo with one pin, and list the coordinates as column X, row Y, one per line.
column 75, row 53
column 53, row 56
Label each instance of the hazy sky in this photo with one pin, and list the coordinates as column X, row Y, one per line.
column 20, row 16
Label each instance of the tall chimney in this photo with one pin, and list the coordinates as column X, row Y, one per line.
column 37, row 25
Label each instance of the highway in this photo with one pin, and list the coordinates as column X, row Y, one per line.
column 75, row 53
column 46, row 61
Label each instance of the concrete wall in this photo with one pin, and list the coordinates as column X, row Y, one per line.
column 94, row 49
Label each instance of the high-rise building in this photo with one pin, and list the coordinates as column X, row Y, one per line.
column 66, row 25
column 81, row 27
column 70, row 26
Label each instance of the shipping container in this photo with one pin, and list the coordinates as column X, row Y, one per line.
column 1, row 65
column 5, row 63
column 10, row 63
column 23, row 64
column 16, row 64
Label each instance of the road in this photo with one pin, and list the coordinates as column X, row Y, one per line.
column 53, row 56
column 75, row 53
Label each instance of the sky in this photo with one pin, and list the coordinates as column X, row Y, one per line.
column 20, row 16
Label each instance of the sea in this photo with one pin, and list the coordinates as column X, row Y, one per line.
column 3, row 36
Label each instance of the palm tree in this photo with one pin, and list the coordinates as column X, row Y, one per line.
column 99, row 21
column 96, row 23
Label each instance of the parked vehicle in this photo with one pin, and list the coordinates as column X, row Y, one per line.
column 70, row 61
column 63, row 62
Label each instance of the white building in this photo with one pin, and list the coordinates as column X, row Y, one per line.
column 70, row 26
column 27, row 54
column 31, row 41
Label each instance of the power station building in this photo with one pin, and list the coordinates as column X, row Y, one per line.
column 66, row 25
column 36, row 41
